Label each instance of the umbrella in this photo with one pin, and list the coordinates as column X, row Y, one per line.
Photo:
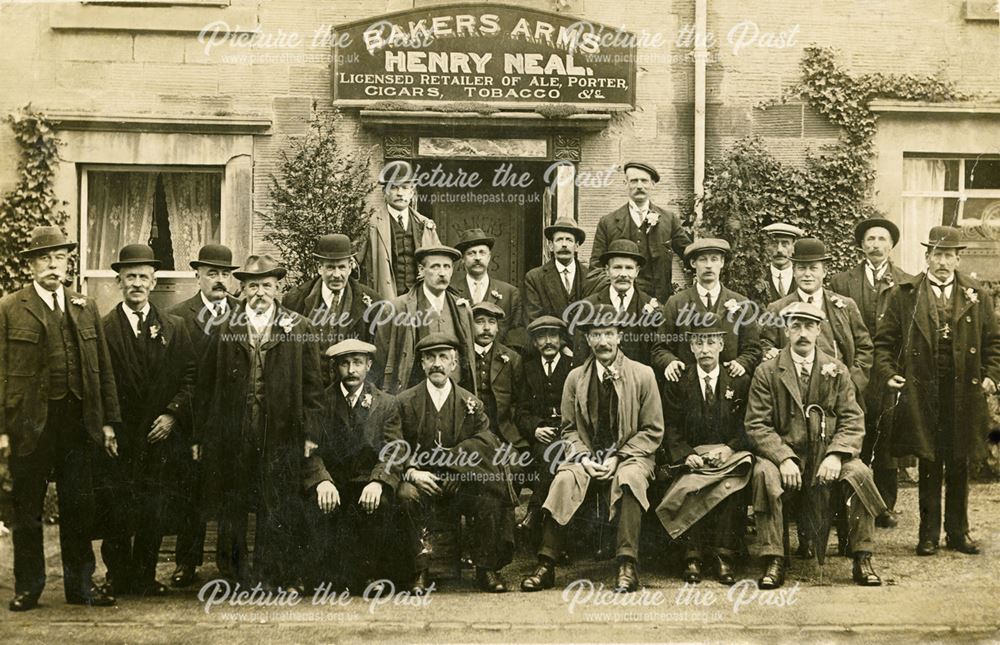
column 816, row 495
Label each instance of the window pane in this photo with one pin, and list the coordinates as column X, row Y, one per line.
column 979, row 212
column 982, row 173
column 927, row 175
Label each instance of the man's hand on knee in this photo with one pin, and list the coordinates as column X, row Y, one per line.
column 791, row 476
column 829, row 470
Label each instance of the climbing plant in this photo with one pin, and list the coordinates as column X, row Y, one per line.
column 748, row 188
column 32, row 201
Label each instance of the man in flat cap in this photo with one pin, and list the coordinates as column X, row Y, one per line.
column 257, row 404
column 477, row 285
column 868, row 284
column 640, row 314
column 538, row 401
column 612, row 426
column 449, row 465
column 548, row 289
column 805, row 426
column 428, row 307
column 780, row 241
column 349, row 484
column 653, row 229
column 497, row 368
column 154, row 365
column 705, row 440
column 387, row 257
column 741, row 350
column 57, row 399
column 938, row 349
column 203, row 314
column 337, row 305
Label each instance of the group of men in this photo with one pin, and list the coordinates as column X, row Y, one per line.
column 391, row 393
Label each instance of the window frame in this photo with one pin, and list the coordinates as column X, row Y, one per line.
column 85, row 170
column 962, row 194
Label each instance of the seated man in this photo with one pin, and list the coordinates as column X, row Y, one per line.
column 806, row 428
column 350, row 515
column 612, row 422
column 449, row 462
column 703, row 415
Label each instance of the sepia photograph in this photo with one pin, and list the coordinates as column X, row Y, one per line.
column 527, row 321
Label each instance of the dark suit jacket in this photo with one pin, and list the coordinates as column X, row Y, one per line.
column 851, row 283
column 686, row 425
column 539, row 397
column 351, row 440
column 638, row 339
column 307, row 299
column 503, row 382
column 502, row 294
column 667, row 236
column 198, row 328
column 24, row 369
column 544, row 294
column 742, row 344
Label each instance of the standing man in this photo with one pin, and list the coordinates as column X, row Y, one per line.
column 780, row 240
column 612, row 426
column 388, row 258
column 258, row 399
column 202, row 314
column 350, row 486
column 868, row 284
column 704, row 434
column 154, row 365
column 741, row 350
column 478, row 286
column 427, row 308
column 938, row 348
column 337, row 306
column 654, row 230
column 548, row 289
column 58, row 397
column 450, row 468
column 639, row 313
column 497, row 369
column 806, row 427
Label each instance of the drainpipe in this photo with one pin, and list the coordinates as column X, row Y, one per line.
column 700, row 57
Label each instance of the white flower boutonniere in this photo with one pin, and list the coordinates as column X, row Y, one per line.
column 651, row 306
column 830, row 369
column 471, row 406
column 366, row 401
column 838, row 302
column 286, row 324
column 971, row 294
column 731, row 305
column 496, row 294
column 504, row 358
column 613, row 372
column 461, row 301
column 729, row 393
column 154, row 331
column 365, row 298
column 652, row 217
column 79, row 302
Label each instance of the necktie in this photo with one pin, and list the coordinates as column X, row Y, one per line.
column 709, row 391
column 621, row 303
column 781, row 285
column 220, row 310
column 55, row 304
column 400, row 221
column 565, row 280
column 803, row 379
column 809, row 299
column 548, row 368
column 939, row 289
column 138, row 327
column 708, row 301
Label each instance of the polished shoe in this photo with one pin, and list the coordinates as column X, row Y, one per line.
column 926, row 547
column 774, row 573
column 726, row 573
column 183, row 575
column 543, row 577
column 24, row 601
column 420, row 583
column 627, row 579
column 864, row 572
column 490, row 581
column 153, row 588
column 93, row 598
column 963, row 544
column 886, row 520
column 692, row 571
column 805, row 550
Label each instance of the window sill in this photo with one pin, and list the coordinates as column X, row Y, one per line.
column 153, row 18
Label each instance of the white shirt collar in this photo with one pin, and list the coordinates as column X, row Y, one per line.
column 601, row 369
column 615, row 297
column 476, row 285
column 400, row 214
column 347, row 394
column 213, row 305
column 785, row 273
column 637, row 215
column 260, row 320
column 555, row 361
column 439, row 394
column 817, row 296
column 713, row 375
column 436, row 301
column 133, row 317
column 936, row 283
column 328, row 294
column 571, row 267
column 803, row 361
column 874, row 273
column 46, row 295
column 483, row 350
column 715, row 291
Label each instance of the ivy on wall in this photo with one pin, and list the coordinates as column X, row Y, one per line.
column 748, row 188
column 32, row 202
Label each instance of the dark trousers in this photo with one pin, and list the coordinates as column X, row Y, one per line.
column 543, row 475
column 944, row 468
column 628, row 518
column 348, row 545
column 65, row 452
column 191, row 528
column 718, row 532
column 875, row 453
column 470, row 500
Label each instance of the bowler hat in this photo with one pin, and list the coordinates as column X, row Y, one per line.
column 397, row 172
column 260, row 266
column 350, row 346
column 809, row 249
column 214, row 255
column 944, row 237
column 132, row 254
column 546, row 322
column 804, row 311
column 474, row 237
column 437, row 340
column 45, row 238
column 704, row 245
column 872, row 222
column 448, row 251
column 488, row 309
column 780, row 228
column 566, row 225
column 655, row 176
column 623, row 248
column 335, row 246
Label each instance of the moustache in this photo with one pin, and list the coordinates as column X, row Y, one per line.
column 436, row 370
column 219, row 287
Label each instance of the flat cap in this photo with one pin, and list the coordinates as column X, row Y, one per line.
column 437, row 341
column 780, row 228
column 803, row 311
column 639, row 165
column 487, row 309
column 704, row 245
column 350, row 346
column 546, row 322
